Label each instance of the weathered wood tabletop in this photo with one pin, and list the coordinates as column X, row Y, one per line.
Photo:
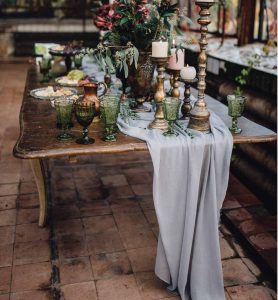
column 38, row 130
column 38, row 134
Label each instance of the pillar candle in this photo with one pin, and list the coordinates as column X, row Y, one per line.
column 173, row 63
column 188, row 73
column 159, row 49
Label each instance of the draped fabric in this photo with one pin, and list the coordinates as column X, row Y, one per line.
column 189, row 186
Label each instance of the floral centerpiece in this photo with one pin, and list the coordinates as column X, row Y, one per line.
column 130, row 27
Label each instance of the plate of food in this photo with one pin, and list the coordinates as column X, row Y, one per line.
column 50, row 93
column 72, row 79
column 66, row 50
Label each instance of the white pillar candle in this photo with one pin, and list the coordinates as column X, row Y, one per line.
column 159, row 49
column 188, row 73
column 173, row 63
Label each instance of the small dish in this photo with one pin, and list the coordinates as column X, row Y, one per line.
column 64, row 81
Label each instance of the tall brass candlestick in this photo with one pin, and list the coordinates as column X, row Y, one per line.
column 159, row 122
column 199, row 115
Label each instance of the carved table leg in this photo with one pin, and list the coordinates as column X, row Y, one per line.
column 38, row 171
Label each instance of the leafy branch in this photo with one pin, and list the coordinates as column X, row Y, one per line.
column 111, row 58
column 242, row 79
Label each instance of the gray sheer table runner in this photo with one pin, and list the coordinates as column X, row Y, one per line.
column 189, row 186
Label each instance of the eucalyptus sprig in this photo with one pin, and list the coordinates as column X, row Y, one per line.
column 185, row 130
column 111, row 58
column 126, row 57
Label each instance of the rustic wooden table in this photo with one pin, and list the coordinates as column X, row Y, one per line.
column 37, row 140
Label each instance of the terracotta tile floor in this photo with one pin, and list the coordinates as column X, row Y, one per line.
column 101, row 239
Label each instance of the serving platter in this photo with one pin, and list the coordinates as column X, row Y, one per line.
column 40, row 93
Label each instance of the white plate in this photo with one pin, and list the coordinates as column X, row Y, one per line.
column 64, row 81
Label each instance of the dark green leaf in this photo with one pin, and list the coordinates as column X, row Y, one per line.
column 167, row 24
column 167, row 14
column 123, row 21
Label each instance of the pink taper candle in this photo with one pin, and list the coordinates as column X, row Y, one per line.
column 173, row 63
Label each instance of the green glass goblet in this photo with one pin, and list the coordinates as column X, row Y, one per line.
column 171, row 106
column 84, row 113
column 78, row 61
column 45, row 65
column 235, row 110
column 64, row 112
column 110, row 106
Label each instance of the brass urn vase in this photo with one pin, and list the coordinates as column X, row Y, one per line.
column 140, row 79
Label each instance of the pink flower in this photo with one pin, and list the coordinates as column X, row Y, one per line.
column 109, row 25
column 143, row 10
column 117, row 16
column 99, row 24
column 111, row 13
column 100, row 19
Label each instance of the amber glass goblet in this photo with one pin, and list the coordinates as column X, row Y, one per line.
column 110, row 106
column 235, row 110
column 84, row 113
column 64, row 112
column 171, row 106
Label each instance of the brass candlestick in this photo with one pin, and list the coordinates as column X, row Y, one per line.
column 107, row 79
column 199, row 115
column 186, row 106
column 171, row 79
column 174, row 81
column 159, row 122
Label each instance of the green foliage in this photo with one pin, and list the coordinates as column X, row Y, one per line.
column 110, row 58
column 131, row 27
column 242, row 79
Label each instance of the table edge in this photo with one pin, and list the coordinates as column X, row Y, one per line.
column 140, row 146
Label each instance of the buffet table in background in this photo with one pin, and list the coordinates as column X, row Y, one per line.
column 228, row 60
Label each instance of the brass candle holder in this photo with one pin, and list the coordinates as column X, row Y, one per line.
column 171, row 79
column 174, row 81
column 107, row 79
column 159, row 122
column 199, row 115
column 186, row 106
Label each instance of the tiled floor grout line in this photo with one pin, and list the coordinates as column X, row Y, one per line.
column 55, row 276
column 16, row 207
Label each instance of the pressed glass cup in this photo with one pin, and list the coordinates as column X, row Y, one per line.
column 110, row 106
column 45, row 65
column 235, row 110
column 78, row 61
column 64, row 113
column 84, row 113
column 171, row 108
